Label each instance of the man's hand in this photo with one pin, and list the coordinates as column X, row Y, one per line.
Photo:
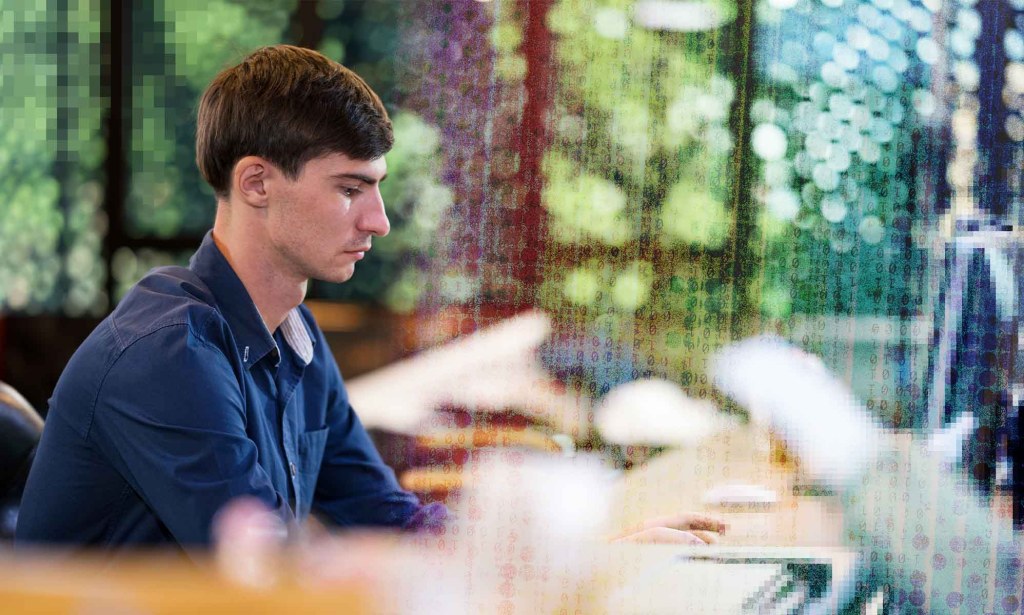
column 684, row 529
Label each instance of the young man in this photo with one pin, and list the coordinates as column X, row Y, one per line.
column 213, row 382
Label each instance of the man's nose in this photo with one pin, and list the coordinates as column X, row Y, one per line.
column 375, row 219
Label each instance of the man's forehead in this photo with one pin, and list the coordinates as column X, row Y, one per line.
column 342, row 165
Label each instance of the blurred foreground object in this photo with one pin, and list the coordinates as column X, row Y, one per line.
column 250, row 539
column 525, row 540
column 490, row 370
column 20, row 429
column 486, row 390
column 446, row 452
column 529, row 537
column 531, row 533
column 948, row 443
column 825, row 424
column 160, row 583
column 917, row 526
column 656, row 412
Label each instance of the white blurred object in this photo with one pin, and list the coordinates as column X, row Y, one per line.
column 565, row 501
column 491, row 370
column 948, row 442
column 838, row 441
column 248, row 540
column 678, row 15
column 529, row 528
column 817, row 415
column 740, row 495
column 658, row 413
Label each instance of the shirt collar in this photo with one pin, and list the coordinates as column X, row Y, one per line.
column 251, row 335
column 297, row 335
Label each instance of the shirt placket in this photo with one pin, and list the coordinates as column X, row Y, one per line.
column 288, row 376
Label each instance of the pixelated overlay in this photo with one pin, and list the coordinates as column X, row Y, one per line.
column 51, row 158
column 592, row 201
column 841, row 174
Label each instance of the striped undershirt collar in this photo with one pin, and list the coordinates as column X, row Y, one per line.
column 297, row 335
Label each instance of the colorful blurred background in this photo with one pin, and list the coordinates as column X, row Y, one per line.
column 586, row 196
column 658, row 176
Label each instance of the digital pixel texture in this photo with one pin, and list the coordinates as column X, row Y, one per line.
column 659, row 180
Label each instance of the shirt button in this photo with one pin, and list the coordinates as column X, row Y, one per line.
column 292, row 468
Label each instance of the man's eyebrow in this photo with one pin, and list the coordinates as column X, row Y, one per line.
column 366, row 179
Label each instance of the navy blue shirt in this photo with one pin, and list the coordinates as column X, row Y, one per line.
column 182, row 400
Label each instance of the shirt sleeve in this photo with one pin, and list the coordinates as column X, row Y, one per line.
column 355, row 487
column 170, row 416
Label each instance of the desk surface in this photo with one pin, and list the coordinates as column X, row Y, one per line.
column 625, row 579
column 156, row 583
column 677, row 480
column 628, row 578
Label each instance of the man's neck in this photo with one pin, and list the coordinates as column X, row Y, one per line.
column 274, row 291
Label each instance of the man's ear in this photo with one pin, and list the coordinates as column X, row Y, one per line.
column 249, row 180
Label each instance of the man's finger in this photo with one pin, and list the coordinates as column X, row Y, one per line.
column 662, row 535
column 689, row 521
column 708, row 537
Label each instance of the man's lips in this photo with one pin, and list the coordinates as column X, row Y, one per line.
column 359, row 253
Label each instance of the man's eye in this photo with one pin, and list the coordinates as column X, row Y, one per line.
column 350, row 192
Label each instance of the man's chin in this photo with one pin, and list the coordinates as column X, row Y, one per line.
column 338, row 276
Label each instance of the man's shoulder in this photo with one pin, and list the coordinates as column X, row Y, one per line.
column 152, row 328
column 166, row 297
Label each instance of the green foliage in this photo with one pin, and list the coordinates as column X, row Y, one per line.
column 584, row 207
column 693, row 216
column 52, row 147
column 50, row 152
column 506, row 38
column 644, row 122
column 601, row 289
column 416, row 201
column 632, row 286
column 640, row 161
column 582, row 286
column 178, row 46
column 205, row 36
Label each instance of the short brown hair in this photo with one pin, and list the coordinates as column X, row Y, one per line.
column 288, row 105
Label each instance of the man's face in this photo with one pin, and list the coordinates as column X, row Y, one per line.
column 322, row 223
